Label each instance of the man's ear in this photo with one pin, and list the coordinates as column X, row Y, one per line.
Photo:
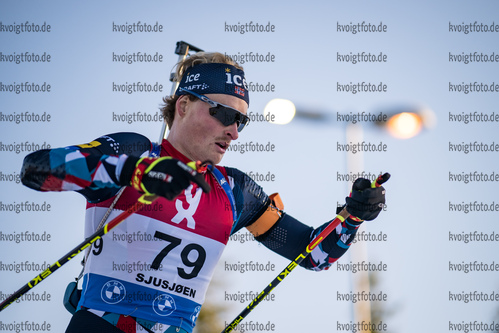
column 180, row 106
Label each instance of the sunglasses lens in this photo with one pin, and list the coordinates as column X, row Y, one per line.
column 242, row 121
column 228, row 116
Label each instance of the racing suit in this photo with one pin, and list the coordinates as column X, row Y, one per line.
column 153, row 270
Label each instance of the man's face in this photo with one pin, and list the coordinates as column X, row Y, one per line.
column 201, row 136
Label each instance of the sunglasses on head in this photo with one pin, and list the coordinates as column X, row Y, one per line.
column 224, row 113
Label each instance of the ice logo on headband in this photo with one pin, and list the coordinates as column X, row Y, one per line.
column 215, row 78
column 194, row 78
column 238, row 81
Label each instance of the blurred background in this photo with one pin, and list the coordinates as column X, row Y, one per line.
column 308, row 44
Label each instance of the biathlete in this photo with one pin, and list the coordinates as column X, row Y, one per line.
column 152, row 273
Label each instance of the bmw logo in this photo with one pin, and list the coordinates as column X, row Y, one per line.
column 164, row 305
column 113, row 292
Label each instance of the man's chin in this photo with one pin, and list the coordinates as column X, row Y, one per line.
column 213, row 158
column 217, row 158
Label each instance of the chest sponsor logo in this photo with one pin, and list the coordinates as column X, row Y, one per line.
column 192, row 206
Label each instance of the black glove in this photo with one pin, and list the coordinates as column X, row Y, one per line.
column 365, row 202
column 164, row 176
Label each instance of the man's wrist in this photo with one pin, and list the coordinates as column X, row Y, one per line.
column 354, row 220
column 125, row 168
column 351, row 219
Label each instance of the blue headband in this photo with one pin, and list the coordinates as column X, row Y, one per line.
column 215, row 78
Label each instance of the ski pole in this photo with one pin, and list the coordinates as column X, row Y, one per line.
column 182, row 50
column 142, row 201
column 285, row 272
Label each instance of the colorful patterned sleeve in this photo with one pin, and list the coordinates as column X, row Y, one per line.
column 288, row 237
column 91, row 169
column 333, row 247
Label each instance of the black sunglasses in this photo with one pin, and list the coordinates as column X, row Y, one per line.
column 224, row 113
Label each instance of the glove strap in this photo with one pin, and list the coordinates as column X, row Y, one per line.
column 351, row 217
column 356, row 219
column 139, row 171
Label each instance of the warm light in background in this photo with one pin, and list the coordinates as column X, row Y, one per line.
column 404, row 125
column 279, row 111
column 400, row 124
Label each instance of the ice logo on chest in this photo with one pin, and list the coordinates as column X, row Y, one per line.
column 113, row 292
column 164, row 305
